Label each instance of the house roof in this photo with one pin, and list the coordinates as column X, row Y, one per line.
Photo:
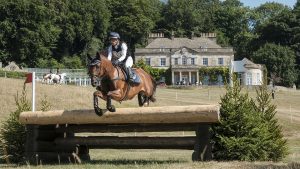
column 197, row 42
column 245, row 63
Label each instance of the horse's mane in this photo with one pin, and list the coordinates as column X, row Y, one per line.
column 102, row 53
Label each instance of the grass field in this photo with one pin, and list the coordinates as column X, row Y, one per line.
column 74, row 97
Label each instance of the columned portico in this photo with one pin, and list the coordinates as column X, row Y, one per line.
column 173, row 76
column 180, row 75
column 184, row 75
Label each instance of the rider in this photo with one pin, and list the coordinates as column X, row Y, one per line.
column 117, row 53
column 58, row 73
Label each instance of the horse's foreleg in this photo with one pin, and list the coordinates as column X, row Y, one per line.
column 110, row 107
column 97, row 109
column 116, row 94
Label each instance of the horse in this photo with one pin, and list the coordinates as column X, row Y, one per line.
column 114, row 84
column 46, row 78
column 57, row 78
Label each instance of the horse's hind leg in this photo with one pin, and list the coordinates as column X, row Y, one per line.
column 143, row 100
column 146, row 101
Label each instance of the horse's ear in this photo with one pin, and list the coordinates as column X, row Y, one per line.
column 89, row 57
column 98, row 55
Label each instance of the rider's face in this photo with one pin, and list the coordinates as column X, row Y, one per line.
column 114, row 41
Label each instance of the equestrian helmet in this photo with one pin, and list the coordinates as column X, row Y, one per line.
column 114, row 35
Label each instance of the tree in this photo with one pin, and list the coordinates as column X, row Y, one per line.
column 280, row 63
column 184, row 17
column 275, row 144
column 13, row 133
column 35, row 31
column 83, row 23
column 267, row 11
column 240, row 134
column 248, row 131
column 231, row 19
column 277, row 30
column 244, row 45
column 133, row 20
column 27, row 31
column 296, row 37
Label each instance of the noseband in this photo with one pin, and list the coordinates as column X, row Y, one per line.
column 95, row 62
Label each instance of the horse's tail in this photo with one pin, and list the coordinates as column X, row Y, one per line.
column 152, row 98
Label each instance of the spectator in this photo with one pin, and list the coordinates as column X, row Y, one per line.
column 273, row 93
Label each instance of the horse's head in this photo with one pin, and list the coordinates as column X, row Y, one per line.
column 95, row 68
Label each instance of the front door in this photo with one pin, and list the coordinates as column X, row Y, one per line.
column 185, row 79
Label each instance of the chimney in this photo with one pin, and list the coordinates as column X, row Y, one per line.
column 172, row 35
column 211, row 36
column 192, row 35
column 153, row 36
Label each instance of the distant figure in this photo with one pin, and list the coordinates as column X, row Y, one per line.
column 273, row 93
column 57, row 71
column 294, row 86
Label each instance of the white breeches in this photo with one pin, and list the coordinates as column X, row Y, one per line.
column 129, row 62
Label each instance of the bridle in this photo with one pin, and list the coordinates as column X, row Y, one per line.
column 95, row 62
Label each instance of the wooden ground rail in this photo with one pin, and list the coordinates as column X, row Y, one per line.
column 52, row 136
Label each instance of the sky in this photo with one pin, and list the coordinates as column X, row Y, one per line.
column 256, row 3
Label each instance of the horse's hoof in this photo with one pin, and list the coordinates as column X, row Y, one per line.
column 98, row 111
column 111, row 108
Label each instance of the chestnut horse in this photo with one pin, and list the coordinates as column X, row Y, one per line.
column 114, row 84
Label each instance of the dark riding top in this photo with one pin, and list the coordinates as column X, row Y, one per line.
column 117, row 52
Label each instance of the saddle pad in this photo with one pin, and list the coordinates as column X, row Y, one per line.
column 136, row 77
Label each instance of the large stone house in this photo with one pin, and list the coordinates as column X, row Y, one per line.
column 184, row 55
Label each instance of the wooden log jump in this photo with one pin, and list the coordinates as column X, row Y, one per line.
column 51, row 135
column 168, row 114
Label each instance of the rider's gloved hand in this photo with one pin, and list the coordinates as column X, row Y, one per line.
column 115, row 62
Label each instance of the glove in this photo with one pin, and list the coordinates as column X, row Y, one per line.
column 115, row 62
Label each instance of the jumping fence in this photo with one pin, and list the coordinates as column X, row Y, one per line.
column 52, row 137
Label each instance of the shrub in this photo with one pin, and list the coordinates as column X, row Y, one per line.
column 154, row 72
column 275, row 145
column 13, row 133
column 247, row 131
column 12, row 74
column 213, row 72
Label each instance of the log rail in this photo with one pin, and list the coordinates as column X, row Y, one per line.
column 51, row 135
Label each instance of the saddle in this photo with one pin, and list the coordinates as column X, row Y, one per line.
column 136, row 79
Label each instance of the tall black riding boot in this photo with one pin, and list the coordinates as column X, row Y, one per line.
column 130, row 74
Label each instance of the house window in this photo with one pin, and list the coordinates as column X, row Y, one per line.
column 184, row 60
column 176, row 61
column 162, row 48
column 220, row 61
column 148, row 61
column 192, row 61
column 249, row 78
column 258, row 79
column 162, row 61
column 205, row 61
